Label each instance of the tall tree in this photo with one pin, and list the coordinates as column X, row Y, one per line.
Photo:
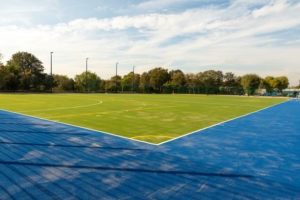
column 269, row 83
column 130, row 82
column 89, row 82
column 250, row 83
column 231, row 84
column 282, row 82
column 158, row 77
column 212, row 81
column 136, row 82
column 191, row 82
column 275, row 83
column 114, row 84
column 144, row 85
column 229, row 79
column 29, row 70
column 63, row 83
column 9, row 78
column 177, row 80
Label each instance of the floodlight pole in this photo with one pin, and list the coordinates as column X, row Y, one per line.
column 116, row 76
column 51, row 83
column 86, row 76
column 133, row 78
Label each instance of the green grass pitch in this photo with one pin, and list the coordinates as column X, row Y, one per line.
column 151, row 118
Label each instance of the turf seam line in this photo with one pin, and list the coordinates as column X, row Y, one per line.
column 42, row 132
column 128, row 169
column 187, row 134
column 71, row 146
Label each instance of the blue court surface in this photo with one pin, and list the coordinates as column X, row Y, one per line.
column 253, row 157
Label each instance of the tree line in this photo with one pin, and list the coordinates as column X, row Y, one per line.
column 25, row 72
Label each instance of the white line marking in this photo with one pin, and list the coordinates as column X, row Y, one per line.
column 181, row 136
column 89, row 129
column 64, row 108
column 141, row 141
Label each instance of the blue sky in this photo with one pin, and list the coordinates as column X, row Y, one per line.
column 240, row 36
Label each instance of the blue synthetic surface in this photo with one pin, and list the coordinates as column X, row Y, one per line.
column 253, row 157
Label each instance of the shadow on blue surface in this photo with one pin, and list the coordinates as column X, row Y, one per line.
column 254, row 157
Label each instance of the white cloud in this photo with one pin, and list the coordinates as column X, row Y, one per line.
column 159, row 4
column 275, row 7
column 191, row 40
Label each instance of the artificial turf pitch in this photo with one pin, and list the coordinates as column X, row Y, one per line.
column 151, row 118
column 256, row 156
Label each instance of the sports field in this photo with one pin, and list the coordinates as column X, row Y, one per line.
column 255, row 156
column 151, row 118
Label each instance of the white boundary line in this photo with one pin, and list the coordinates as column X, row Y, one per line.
column 141, row 141
column 220, row 123
column 89, row 129
column 64, row 108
